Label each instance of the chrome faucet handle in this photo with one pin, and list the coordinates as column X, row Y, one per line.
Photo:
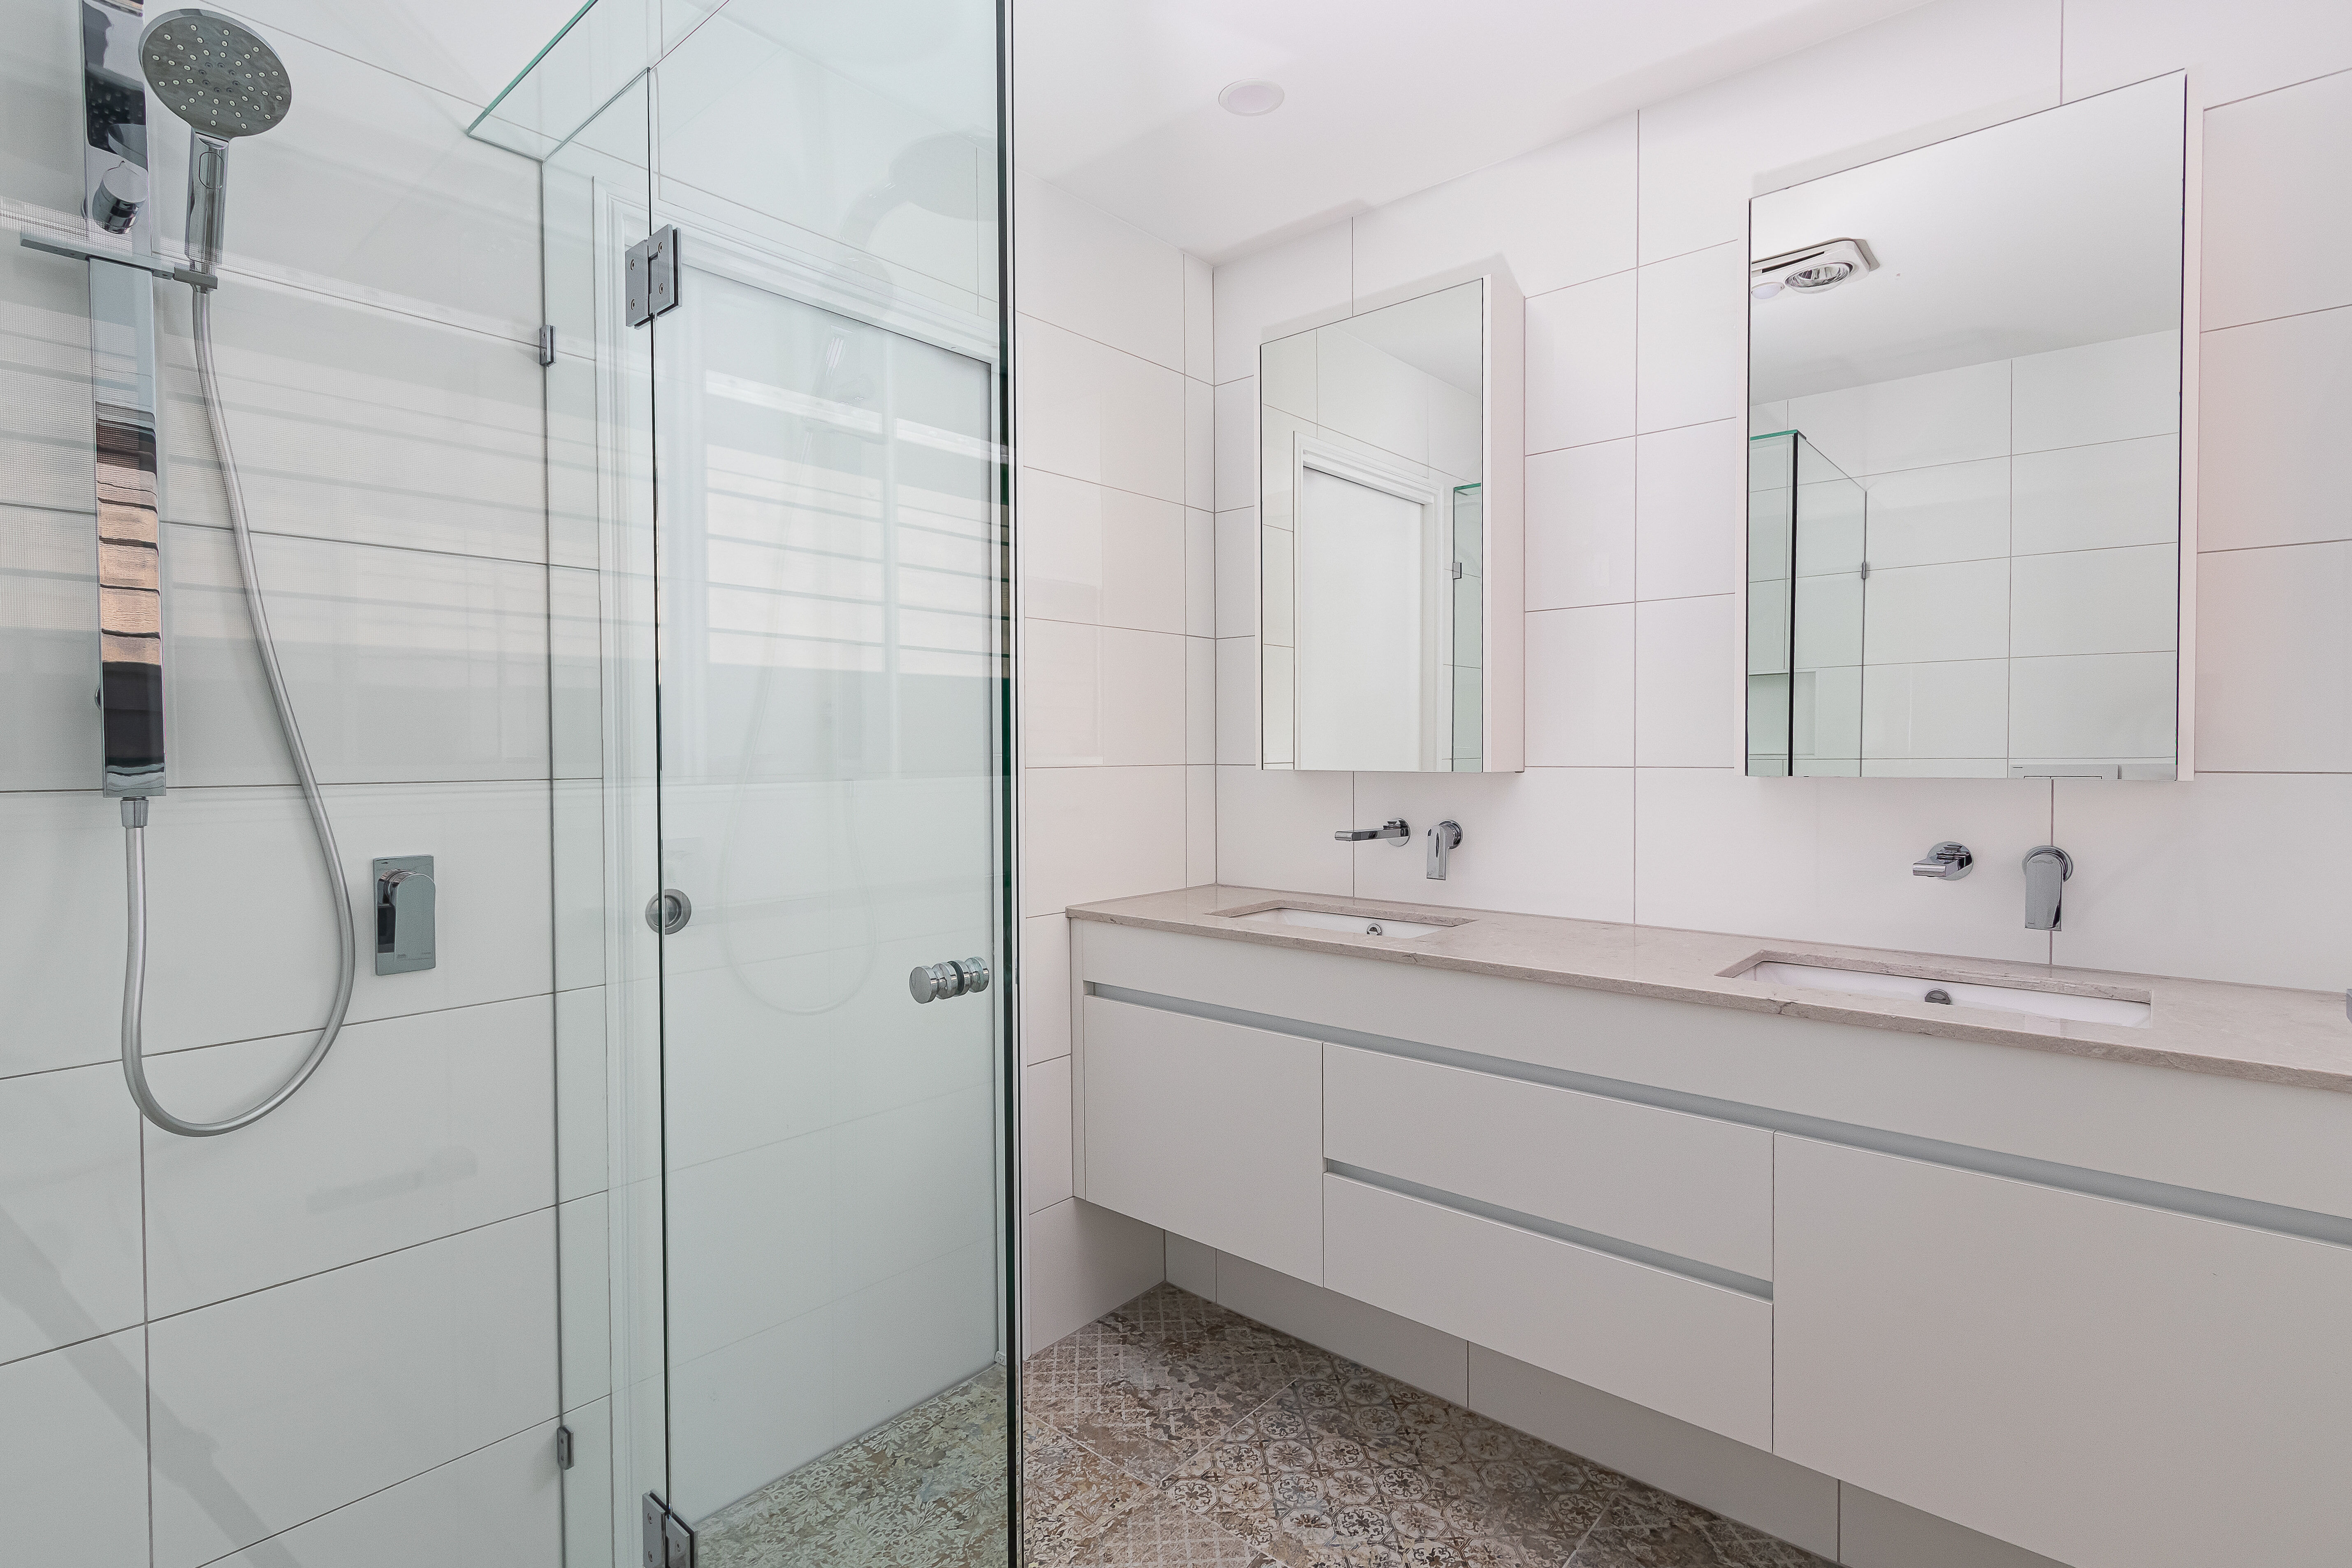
column 1949, row 861
column 2047, row 870
column 1444, row 838
column 1394, row 830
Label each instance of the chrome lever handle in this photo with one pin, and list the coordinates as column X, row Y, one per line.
column 956, row 977
column 1949, row 861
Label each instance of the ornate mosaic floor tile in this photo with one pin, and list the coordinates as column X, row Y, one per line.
column 1150, row 1383
column 1159, row 1534
column 1071, row 1495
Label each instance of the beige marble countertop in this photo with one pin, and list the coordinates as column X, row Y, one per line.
column 2268, row 1034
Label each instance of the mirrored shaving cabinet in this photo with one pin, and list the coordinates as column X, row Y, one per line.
column 1964, row 510
column 1390, row 607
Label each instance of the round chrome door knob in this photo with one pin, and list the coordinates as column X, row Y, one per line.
column 668, row 911
column 956, row 977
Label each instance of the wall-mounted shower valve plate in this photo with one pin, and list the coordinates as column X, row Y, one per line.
column 652, row 274
column 404, row 893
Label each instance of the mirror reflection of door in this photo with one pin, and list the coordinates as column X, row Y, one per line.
column 1373, row 679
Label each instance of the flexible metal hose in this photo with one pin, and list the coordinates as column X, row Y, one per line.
column 134, row 816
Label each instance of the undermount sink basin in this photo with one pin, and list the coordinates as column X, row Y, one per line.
column 1323, row 919
column 2043, row 1006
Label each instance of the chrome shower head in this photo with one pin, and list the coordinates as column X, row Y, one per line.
column 216, row 74
column 219, row 76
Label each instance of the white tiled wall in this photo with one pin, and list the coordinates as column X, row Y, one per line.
column 334, row 1331
column 1628, row 238
column 1117, row 560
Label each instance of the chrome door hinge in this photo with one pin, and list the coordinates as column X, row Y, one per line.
column 563, row 1448
column 653, row 275
column 547, row 345
column 668, row 1542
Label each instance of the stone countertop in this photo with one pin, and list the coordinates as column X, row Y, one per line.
column 2268, row 1034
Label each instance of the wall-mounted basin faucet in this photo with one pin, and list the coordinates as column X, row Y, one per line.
column 2046, row 870
column 1444, row 838
column 1393, row 830
column 1949, row 861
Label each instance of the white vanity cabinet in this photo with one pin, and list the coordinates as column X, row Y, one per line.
column 2109, row 1385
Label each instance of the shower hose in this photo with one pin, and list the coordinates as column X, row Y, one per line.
column 134, row 816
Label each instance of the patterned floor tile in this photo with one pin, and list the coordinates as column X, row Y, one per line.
column 1647, row 1528
column 1071, row 1495
column 1159, row 1534
column 1148, row 1384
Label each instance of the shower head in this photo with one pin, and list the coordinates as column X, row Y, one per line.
column 216, row 74
column 219, row 76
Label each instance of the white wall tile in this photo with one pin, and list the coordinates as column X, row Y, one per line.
column 48, row 635
column 1200, row 320
column 1916, row 422
column 2231, row 51
column 1089, row 412
column 1954, row 710
column 1200, row 700
column 2274, row 659
column 1088, row 272
column 1300, row 283
column 2093, row 706
column 1684, row 683
column 1693, row 320
column 1581, row 364
column 1550, row 841
column 1274, row 827
column 42, row 99
column 1237, row 695
column 1045, row 1134
column 413, row 1128
column 2112, row 391
column 1200, row 444
column 210, row 980
column 1829, row 859
column 1690, row 487
column 73, row 1454
column 588, row 1488
column 1954, row 511
column 1199, row 826
column 2163, row 884
column 2093, row 498
column 1199, row 572
column 583, row 1258
column 2094, row 601
column 1046, row 982
column 1237, row 444
column 1580, row 687
column 404, row 666
column 1580, row 526
column 1558, row 215
column 359, row 424
column 2274, row 403
column 1082, row 1261
column 500, row 1505
column 1236, row 558
column 274, row 1408
column 1101, row 833
column 2274, row 244
column 1955, row 610
column 69, row 1209
column 1928, row 73
column 1103, row 696
column 581, row 1127
column 1108, row 557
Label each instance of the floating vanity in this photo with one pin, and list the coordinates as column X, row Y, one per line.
column 2066, row 1259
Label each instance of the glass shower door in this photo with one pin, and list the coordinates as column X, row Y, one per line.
column 830, row 797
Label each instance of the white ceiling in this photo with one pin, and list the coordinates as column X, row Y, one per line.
column 1116, row 100
column 2057, row 229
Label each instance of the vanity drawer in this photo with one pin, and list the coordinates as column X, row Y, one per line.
column 1698, row 1352
column 1683, row 1185
column 1209, row 1129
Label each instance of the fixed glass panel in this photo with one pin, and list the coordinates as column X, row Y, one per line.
column 1976, row 346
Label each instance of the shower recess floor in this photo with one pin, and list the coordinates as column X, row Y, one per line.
column 1172, row 1433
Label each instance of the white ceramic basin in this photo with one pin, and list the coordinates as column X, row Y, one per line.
column 1322, row 919
column 2048, row 1007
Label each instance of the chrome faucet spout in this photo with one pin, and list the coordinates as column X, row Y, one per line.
column 2046, row 870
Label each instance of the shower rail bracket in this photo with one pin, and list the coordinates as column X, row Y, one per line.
column 82, row 250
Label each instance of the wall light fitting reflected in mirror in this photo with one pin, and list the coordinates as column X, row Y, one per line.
column 1811, row 268
column 1251, row 97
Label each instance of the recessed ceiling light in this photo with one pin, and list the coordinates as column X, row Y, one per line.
column 1251, row 97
